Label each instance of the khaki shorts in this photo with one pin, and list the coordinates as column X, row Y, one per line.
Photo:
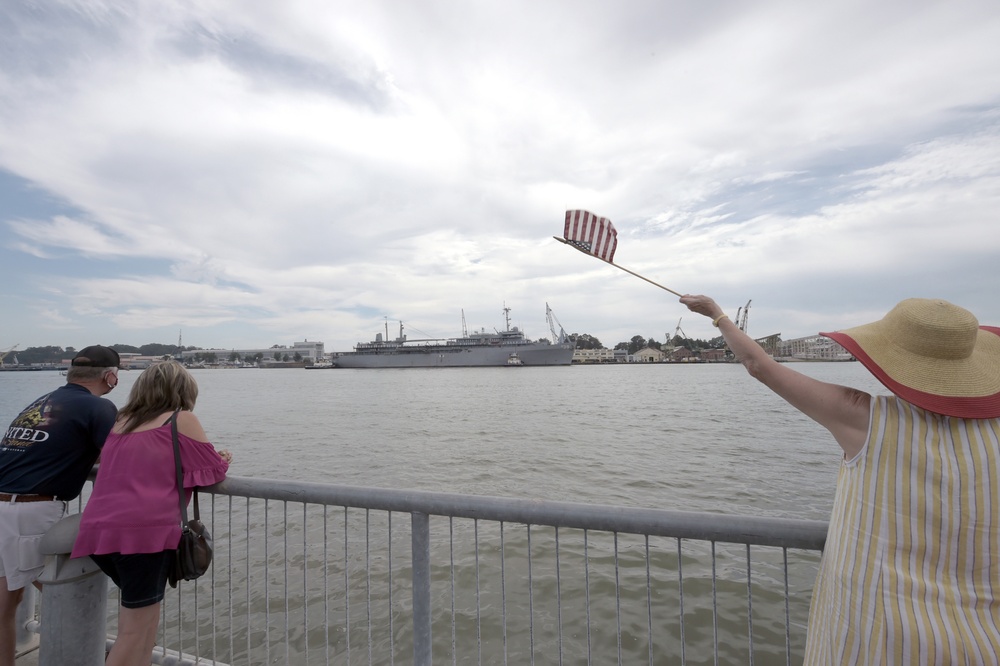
column 22, row 525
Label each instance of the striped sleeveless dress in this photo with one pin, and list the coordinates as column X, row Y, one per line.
column 911, row 569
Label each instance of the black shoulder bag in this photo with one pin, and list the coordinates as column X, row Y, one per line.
column 194, row 552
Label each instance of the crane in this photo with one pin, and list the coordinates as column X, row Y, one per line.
column 550, row 317
column 668, row 345
column 680, row 331
column 4, row 353
column 741, row 317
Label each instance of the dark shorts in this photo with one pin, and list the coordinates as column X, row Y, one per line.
column 141, row 577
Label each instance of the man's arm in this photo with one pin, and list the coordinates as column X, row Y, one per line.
column 104, row 416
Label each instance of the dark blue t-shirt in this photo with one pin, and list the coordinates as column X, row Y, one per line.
column 53, row 443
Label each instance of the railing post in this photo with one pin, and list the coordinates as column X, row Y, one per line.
column 73, row 604
column 25, row 639
column 421, row 548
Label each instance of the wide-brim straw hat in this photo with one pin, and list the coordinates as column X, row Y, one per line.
column 933, row 354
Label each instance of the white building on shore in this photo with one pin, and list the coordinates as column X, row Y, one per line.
column 299, row 352
column 593, row 356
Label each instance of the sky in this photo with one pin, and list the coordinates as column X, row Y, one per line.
column 243, row 174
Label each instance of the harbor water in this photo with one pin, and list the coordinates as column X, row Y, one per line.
column 695, row 437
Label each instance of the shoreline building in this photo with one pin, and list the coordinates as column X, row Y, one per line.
column 299, row 352
column 593, row 356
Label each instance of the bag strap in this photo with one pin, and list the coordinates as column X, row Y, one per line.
column 180, row 475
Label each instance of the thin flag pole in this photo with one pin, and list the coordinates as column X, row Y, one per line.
column 576, row 247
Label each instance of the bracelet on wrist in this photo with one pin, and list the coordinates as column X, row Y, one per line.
column 715, row 322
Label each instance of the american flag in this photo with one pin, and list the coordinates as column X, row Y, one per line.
column 592, row 234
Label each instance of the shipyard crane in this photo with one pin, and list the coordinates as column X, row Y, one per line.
column 4, row 354
column 680, row 331
column 550, row 317
column 741, row 317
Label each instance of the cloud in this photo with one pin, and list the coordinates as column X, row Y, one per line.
column 306, row 169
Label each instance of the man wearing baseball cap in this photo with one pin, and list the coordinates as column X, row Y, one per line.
column 45, row 456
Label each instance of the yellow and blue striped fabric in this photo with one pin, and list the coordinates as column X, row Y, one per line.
column 911, row 569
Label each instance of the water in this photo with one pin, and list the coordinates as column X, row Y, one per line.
column 696, row 437
column 701, row 437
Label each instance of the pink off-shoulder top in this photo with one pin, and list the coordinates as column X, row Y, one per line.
column 134, row 506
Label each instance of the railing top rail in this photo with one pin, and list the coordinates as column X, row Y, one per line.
column 729, row 528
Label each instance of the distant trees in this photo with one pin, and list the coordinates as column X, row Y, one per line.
column 635, row 344
column 152, row 349
column 128, row 349
column 42, row 355
column 55, row 355
column 585, row 341
column 638, row 342
column 156, row 349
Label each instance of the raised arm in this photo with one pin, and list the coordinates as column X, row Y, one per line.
column 841, row 410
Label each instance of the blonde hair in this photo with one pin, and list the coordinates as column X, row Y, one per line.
column 164, row 387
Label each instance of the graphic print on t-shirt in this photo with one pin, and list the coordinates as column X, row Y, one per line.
column 30, row 426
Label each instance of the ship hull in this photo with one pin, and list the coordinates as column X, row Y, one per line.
column 447, row 356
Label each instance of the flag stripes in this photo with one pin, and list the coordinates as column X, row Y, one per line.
column 592, row 234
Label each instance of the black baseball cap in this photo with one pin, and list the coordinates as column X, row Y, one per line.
column 97, row 356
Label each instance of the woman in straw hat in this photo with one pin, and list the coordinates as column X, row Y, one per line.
column 911, row 569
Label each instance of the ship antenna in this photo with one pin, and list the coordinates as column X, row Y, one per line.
column 506, row 315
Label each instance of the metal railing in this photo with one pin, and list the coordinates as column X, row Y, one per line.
column 309, row 573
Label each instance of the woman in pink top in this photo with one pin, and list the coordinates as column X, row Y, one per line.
column 131, row 524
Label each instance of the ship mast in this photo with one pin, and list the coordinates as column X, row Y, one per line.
column 506, row 315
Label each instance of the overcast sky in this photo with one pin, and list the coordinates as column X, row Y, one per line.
column 254, row 173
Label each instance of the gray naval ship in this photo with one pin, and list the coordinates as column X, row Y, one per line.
column 508, row 347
